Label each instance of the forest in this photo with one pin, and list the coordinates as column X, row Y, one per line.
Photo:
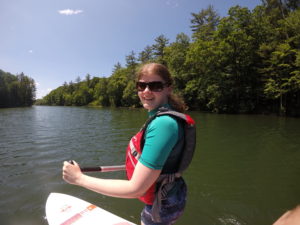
column 245, row 62
column 16, row 90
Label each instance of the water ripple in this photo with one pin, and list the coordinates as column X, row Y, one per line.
column 233, row 178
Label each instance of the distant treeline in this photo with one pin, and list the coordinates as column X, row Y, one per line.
column 246, row 62
column 16, row 90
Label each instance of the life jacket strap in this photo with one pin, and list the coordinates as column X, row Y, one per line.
column 165, row 183
column 133, row 151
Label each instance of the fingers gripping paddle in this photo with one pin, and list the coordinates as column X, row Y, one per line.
column 101, row 168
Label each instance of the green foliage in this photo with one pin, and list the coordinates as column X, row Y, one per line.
column 100, row 93
column 158, row 48
column 16, row 90
column 146, row 55
column 130, row 97
column 175, row 55
column 205, row 23
column 246, row 62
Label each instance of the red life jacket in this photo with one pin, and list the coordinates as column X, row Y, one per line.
column 185, row 145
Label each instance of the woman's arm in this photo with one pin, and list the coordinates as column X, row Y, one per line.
column 142, row 179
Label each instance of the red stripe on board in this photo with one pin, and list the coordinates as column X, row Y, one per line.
column 77, row 216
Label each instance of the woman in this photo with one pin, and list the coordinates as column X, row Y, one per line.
column 154, row 85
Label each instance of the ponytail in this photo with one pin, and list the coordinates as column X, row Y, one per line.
column 177, row 103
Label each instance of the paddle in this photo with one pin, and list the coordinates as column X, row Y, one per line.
column 101, row 168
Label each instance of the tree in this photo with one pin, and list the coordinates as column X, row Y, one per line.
column 16, row 90
column 204, row 23
column 175, row 56
column 116, row 85
column 131, row 63
column 88, row 80
column 101, row 92
column 158, row 48
column 291, row 26
column 78, row 79
column 4, row 91
column 279, row 9
column 236, row 37
column 117, row 67
column 292, row 4
column 203, row 61
column 82, row 96
column 131, row 60
column 130, row 98
column 279, row 70
column 246, row 62
column 146, row 55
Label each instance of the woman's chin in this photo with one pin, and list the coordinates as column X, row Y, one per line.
column 147, row 106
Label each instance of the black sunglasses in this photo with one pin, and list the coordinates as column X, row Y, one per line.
column 155, row 86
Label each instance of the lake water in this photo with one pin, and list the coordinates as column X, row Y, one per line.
column 246, row 170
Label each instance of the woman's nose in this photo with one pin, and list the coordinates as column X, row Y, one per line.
column 147, row 89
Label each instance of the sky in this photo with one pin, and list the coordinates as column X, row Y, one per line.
column 56, row 41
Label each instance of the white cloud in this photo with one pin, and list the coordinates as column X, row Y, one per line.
column 172, row 3
column 30, row 51
column 69, row 12
column 37, row 84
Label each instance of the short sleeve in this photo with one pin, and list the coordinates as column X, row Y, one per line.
column 160, row 138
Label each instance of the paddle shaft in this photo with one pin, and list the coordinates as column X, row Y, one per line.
column 101, row 168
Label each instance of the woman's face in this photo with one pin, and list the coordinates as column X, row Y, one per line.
column 152, row 99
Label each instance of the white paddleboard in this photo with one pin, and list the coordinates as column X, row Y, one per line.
column 62, row 209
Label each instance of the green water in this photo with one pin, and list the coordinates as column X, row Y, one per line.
column 245, row 171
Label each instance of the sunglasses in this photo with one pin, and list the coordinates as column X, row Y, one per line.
column 155, row 86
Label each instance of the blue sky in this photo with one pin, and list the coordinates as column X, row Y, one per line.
column 58, row 40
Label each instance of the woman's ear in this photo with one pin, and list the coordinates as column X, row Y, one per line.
column 170, row 89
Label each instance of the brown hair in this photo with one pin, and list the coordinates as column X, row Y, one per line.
column 155, row 68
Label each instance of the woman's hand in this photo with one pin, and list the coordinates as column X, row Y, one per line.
column 71, row 172
column 142, row 179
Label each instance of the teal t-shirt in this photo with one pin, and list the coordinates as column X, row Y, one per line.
column 161, row 136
